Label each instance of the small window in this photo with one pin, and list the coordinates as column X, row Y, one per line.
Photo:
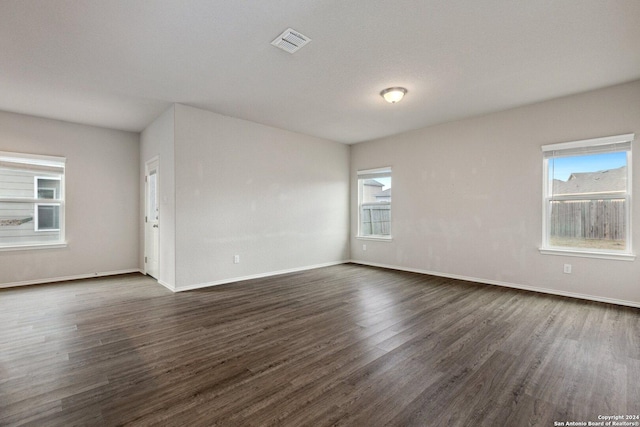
column 31, row 201
column 47, row 188
column 587, row 196
column 47, row 217
column 374, row 203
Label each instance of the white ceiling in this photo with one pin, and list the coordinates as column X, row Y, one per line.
column 120, row 63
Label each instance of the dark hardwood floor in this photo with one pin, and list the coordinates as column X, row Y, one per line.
column 343, row 345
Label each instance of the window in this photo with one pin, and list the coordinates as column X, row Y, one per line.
column 374, row 203
column 47, row 188
column 47, row 216
column 31, row 201
column 587, row 197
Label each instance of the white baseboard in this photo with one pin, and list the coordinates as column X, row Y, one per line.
column 505, row 284
column 311, row 267
column 66, row 278
column 167, row 285
column 253, row 276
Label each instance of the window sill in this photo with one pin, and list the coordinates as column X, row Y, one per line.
column 34, row 247
column 376, row 238
column 585, row 254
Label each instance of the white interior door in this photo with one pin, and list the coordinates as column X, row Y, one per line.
column 151, row 222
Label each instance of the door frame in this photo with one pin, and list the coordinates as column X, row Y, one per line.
column 147, row 167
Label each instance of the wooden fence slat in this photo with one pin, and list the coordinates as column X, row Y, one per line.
column 375, row 219
column 589, row 219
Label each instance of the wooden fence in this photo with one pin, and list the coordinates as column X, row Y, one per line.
column 590, row 219
column 375, row 219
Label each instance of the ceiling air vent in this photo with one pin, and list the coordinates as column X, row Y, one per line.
column 290, row 41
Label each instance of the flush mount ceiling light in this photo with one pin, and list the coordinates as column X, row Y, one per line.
column 393, row 94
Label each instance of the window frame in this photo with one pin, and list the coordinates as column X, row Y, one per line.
column 362, row 175
column 547, row 198
column 49, row 164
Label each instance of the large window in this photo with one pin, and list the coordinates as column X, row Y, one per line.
column 374, row 203
column 587, row 197
column 31, row 201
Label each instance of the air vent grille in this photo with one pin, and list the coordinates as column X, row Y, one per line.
column 290, row 41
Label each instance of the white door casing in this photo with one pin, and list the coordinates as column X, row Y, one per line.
column 151, row 218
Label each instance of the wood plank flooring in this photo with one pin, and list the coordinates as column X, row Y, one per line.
column 343, row 345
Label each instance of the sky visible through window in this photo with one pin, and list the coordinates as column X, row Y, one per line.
column 384, row 181
column 562, row 167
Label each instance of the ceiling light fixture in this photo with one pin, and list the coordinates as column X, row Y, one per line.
column 393, row 94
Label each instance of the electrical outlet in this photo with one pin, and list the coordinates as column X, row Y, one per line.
column 236, row 259
column 364, row 247
column 567, row 268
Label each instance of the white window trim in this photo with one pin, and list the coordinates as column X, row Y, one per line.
column 360, row 174
column 376, row 238
column 593, row 142
column 52, row 245
column 45, row 162
column 546, row 248
column 587, row 254
column 37, row 159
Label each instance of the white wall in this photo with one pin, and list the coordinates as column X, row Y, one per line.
column 102, row 199
column 158, row 140
column 278, row 199
column 467, row 195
